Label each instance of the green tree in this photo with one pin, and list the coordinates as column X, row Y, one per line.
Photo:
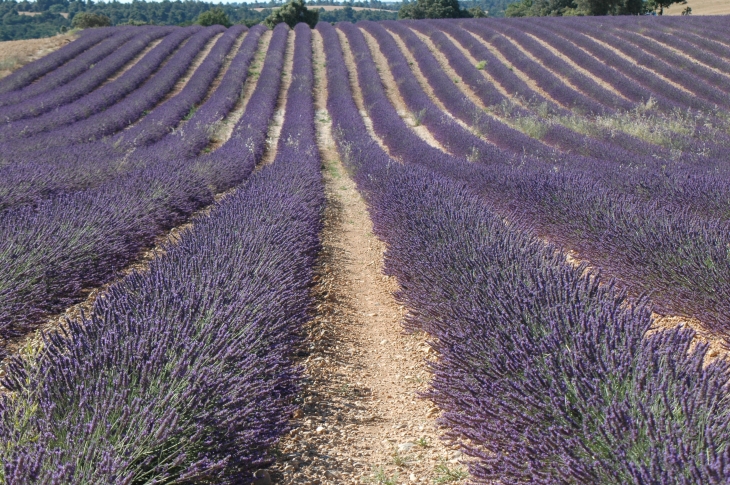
column 292, row 13
column 477, row 13
column 85, row 20
column 659, row 5
column 610, row 7
column 215, row 16
column 432, row 9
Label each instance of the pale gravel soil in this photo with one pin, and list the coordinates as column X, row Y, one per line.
column 681, row 53
column 558, row 75
column 14, row 54
column 717, row 348
column 426, row 86
column 475, row 61
column 363, row 373
column 132, row 63
column 632, row 61
column 277, row 121
column 524, row 77
column 391, row 87
column 224, row 128
column 575, row 66
column 224, row 67
column 197, row 61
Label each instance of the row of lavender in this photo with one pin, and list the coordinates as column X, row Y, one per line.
column 546, row 374
column 89, row 227
column 183, row 373
column 658, row 224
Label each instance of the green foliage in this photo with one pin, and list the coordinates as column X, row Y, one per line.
column 492, row 8
column 86, row 20
column 477, row 12
column 610, row 7
column 658, row 6
column 214, row 16
column 444, row 474
column 543, row 8
column 292, row 13
column 349, row 14
column 432, row 9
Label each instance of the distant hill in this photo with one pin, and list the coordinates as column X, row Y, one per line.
column 702, row 7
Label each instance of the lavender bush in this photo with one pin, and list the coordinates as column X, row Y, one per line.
column 87, row 81
column 29, row 73
column 58, row 247
column 214, row 322
column 546, row 375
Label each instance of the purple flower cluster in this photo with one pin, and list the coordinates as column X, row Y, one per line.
column 551, row 84
column 60, row 245
column 62, row 122
column 694, row 77
column 642, row 77
column 183, row 373
column 165, row 116
column 546, row 375
column 83, row 83
column 659, row 229
column 35, row 70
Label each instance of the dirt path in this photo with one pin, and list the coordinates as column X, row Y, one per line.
column 428, row 89
column 277, row 121
column 14, row 54
column 224, row 128
column 224, row 67
column 633, row 61
column 361, row 420
column 390, row 86
column 520, row 74
column 197, row 61
column 573, row 65
column 133, row 62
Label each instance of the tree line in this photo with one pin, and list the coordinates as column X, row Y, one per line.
column 50, row 17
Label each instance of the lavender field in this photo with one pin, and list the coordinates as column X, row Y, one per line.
column 552, row 195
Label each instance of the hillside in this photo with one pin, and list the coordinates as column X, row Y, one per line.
column 702, row 7
column 17, row 53
column 460, row 251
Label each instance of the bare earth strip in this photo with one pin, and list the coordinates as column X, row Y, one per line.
column 680, row 53
column 132, row 63
column 277, row 121
column 567, row 82
column 224, row 128
column 661, row 321
column 224, row 67
column 221, row 73
column 361, row 419
column 524, row 77
column 476, row 61
column 14, row 54
column 428, row 89
column 391, row 87
column 632, row 61
column 31, row 343
column 577, row 67
column 356, row 92
column 197, row 61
